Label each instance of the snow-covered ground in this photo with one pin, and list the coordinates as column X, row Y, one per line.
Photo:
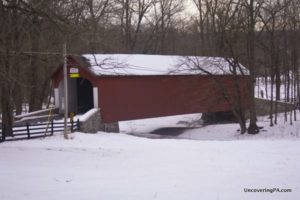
column 194, row 129
column 220, row 164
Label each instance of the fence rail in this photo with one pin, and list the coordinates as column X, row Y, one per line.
column 37, row 130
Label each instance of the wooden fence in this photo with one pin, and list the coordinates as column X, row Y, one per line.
column 37, row 130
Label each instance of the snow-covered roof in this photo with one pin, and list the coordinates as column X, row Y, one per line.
column 138, row 64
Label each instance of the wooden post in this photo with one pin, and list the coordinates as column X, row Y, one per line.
column 52, row 127
column 78, row 125
column 28, row 131
column 3, row 133
column 72, row 121
column 65, row 91
column 72, row 126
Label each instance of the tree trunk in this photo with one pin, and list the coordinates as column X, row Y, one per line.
column 33, row 98
column 7, row 110
column 253, row 128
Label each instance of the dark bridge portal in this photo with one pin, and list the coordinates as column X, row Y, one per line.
column 84, row 95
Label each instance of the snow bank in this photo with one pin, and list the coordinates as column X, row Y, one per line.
column 118, row 166
column 220, row 164
column 221, row 132
column 87, row 115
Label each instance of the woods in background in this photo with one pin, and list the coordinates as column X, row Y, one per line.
column 261, row 34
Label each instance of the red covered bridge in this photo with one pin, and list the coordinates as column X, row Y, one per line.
column 127, row 87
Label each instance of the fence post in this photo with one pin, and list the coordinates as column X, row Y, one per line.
column 72, row 125
column 52, row 127
column 3, row 133
column 28, row 131
column 78, row 125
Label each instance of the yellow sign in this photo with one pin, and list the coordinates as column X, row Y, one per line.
column 74, row 72
column 74, row 76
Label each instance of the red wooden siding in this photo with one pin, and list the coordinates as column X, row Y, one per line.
column 136, row 97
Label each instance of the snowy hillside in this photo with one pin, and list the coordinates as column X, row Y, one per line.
column 221, row 164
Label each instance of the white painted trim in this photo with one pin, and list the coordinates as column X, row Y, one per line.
column 56, row 97
column 95, row 95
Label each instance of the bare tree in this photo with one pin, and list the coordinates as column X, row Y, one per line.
column 10, row 40
column 269, row 17
column 251, row 9
column 132, row 13
column 231, row 95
